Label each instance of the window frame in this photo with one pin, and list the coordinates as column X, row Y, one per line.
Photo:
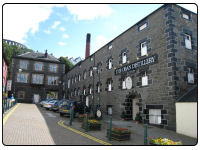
column 124, row 57
column 189, row 40
column 145, row 78
column 143, row 26
column 52, row 79
column 143, row 49
column 22, row 63
column 36, row 65
column 40, row 75
column 22, row 78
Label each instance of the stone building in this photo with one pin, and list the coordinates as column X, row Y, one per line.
column 143, row 70
column 36, row 76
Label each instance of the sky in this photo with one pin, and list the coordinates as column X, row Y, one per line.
column 62, row 28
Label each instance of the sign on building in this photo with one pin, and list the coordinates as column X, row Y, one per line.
column 9, row 85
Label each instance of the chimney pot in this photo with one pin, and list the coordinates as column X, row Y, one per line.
column 87, row 52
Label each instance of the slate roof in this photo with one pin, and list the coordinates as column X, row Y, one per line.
column 38, row 56
column 190, row 96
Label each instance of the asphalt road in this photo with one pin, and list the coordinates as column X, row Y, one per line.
column 60, row 135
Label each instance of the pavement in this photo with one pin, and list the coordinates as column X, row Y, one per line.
column 28, row 124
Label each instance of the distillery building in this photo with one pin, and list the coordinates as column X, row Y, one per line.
column 143, row 70
column 37, row 76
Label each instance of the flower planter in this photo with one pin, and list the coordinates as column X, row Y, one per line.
column 163, row 141
column 92, row 126
column 119, row 136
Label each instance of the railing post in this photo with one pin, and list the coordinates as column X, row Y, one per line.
column 146, row 134
column 110, row 129
column 86, row 122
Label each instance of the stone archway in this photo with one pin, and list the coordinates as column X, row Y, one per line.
column 132, row 105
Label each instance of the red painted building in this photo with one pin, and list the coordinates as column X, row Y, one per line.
column 5, row 70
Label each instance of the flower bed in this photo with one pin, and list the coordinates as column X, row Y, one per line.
column 120, row 134
column 82, row 116
column 92, row 125
column 163, row 141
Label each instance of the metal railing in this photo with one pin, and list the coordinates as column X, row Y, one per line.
column 8, row 104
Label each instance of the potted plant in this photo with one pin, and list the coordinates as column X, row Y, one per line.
column 92, row 125
column 138, row 118
column 163, row 141
column 119, row 134
column 122, row 115
column 82, row 116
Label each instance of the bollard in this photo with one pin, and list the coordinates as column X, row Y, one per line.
column 146, row 134
column 86, row 122
column 71, row 116
column 110, row 129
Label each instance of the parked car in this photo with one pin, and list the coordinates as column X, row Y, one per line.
column 66, row 107
column 48, row 105
column 43, row 101
column 55, row 106
column 48, row 100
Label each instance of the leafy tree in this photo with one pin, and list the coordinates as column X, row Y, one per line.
column 68, row 64
column 9, row 51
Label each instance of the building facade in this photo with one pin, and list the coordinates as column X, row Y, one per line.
column 143, row 70
column 36, row 76
column 5, row 71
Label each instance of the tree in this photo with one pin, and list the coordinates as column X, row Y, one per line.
column 68, row 64
column 9, row 51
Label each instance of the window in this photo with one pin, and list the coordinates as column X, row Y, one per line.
column 21, row 94
column 185, row 16
column 109, row 86
column 37, row 78
column 84, row 75
column 79, row 77
column 109, row 63
column 188, row 43
column 142, row 26
column 154, row 116
column 52, row 80
column 53, row 68
column 23, row 64
column 22, row 77
column 84, row 91
column 72, row 80
column 68, row 83
column 90, row 90
column 124, row 58
column 38, row 66
column 191, row 76
column 75, row 79
column 143, row 48
column 123, row 83
column 144, row 80
column 75, row 92
column 91, row 72
column 110, row 46
column 98, row 88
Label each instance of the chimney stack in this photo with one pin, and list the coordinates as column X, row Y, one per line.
column 87, row 52
column 45, row 55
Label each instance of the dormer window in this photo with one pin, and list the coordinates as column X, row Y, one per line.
column 188, row 41
column 124, row 58
column 143, row 26
column 191, row 76
column 185, row 16
column 143, row 48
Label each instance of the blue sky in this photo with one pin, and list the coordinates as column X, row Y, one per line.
column 62, row 29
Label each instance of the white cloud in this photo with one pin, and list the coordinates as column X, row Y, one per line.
column 55, row 24
column 100, row 41
column 89, row 11
column 62, row 43
column 47, row 31
column 18, row 20
column 62, row 29
column 66, row 36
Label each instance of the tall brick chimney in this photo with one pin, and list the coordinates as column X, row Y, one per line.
column 87, row 51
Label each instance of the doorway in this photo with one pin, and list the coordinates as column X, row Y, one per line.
column 135, row 107
column 36, row 98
